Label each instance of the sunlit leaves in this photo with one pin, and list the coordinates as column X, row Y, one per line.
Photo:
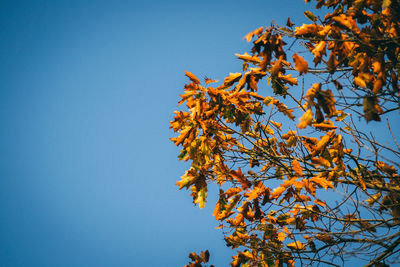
column 280, row 152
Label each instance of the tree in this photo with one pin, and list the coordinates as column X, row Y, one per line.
column 304, row 174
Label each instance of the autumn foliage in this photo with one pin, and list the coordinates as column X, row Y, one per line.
column 293, row 140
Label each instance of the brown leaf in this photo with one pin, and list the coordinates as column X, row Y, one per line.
column 289, row 23
column 205, row 256
column 371, row 108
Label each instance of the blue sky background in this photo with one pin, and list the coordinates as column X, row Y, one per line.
column 87, row 90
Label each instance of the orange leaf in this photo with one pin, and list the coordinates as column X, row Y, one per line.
column 324, row 126
column 377, row 66
column 306, row 29
column 184, row 134
column 258, row 191
column 233, row 77
column 319, row 51
column 300, row 64
column 288, row 79
column 322, row 143
column 208, row 80
column 281, row 236
column 322, row 182
column 250, row 35
column 321, row 161
column 192, row 77
column 296, row 245
column 187, row 179
column 238, row 175
column 277, row 192
column 347, row 22
column 320, row 202
column 297, row 168
column 247, row 58
column 360, row 82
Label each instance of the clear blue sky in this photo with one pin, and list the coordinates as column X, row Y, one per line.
column 87, row 90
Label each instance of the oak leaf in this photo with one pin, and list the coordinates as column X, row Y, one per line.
column 296, row 245
column 192, row 77
column 247, row 58
column 306, row 119
column 300, row 64
column 232, row 78
column 297, row 168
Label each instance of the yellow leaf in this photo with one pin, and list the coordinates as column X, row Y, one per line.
column 347, row 21
column 296, row 245
column 310, row 16
column 374, row 198
column 306, row 119
column 201, row 197
column 378, row 84
column 187, row 179
column 386, row 3
column 281, row 236
column 277, row 124
column 258, row 191
column 376, row 65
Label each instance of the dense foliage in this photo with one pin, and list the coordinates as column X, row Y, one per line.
column 303, row 176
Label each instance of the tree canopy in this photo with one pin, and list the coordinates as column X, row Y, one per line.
column 294, row 141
